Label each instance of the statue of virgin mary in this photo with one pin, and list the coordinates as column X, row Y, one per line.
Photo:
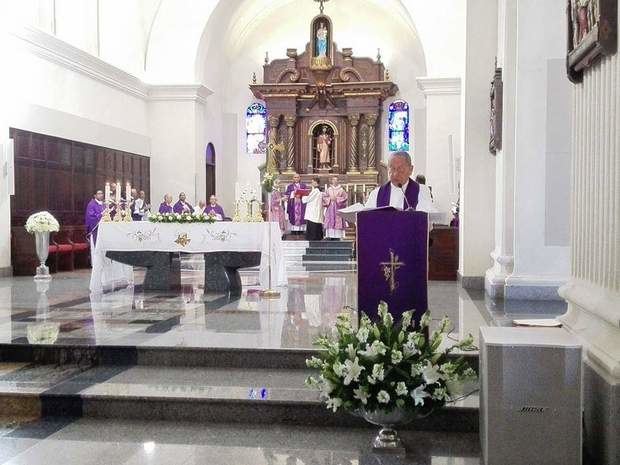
column 321, row 41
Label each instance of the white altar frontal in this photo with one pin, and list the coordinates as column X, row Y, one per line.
column 143, row 236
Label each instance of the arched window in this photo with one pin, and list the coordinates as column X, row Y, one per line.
column 255, row 125
column 398, row 126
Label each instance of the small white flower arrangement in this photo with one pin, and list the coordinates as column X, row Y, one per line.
column 182, row 218
column 384, row 366
column 42, row 222
column 269, row 182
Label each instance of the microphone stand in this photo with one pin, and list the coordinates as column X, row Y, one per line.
column 409, row 207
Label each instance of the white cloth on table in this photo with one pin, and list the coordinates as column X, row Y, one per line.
column 187, row 238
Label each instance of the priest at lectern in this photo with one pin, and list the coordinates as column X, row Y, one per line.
column 401, row 191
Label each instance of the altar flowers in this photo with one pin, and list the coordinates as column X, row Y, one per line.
column 387, row 366
column 182, row 218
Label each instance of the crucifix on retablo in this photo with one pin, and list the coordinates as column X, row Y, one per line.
column 272, row 148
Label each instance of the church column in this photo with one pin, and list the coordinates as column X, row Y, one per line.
column 274, row 121
column 363, row 147
column 290, row 146
column 593, row 291
column 371, row 120
column 353, row 121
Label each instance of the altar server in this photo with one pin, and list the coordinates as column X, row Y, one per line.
column 94, row 211
column 182, row 206
column 314, row 212
column 215, row 209
column 334, row 199
column 166, row 205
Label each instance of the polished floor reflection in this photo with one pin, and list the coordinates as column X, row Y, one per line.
column 63, row 312
column 106, row 442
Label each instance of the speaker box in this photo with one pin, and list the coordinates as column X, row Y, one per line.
column 530, row 396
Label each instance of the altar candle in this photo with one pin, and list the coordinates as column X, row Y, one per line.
column 127, row 191
column 363, row 189
column 237, row 190
column 107, row 193
column 118, row 192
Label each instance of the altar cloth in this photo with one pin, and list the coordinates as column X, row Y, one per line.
column 185, row 238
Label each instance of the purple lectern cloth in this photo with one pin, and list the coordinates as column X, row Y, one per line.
column 216, row 210
column 178, row 207
column 165, row 208
column 94, row 211
column 405, row 233
column 296, row 209
column 412, row 191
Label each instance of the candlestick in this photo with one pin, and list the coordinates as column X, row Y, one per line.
column 118, row 193
column 107, row 193
column 127, row 191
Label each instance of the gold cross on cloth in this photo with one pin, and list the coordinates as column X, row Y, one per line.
column 272, row 148
column 389, row 270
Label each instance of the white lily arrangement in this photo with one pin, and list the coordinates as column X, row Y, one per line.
column 383, row 366
column 42, row 222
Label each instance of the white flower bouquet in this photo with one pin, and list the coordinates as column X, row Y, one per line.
column 42, row 222
column 269, row 181
column 182, row 218
column 383, row 366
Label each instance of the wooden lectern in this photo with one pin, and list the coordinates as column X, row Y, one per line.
column 392, row 261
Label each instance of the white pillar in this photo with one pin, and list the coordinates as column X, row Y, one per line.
column 178, row 144
column 443, row 127
column 477, row 164
column 531, row 253
column 593, row 292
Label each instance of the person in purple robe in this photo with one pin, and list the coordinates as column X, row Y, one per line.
column 296, row 209
column 182, row 206
column 166, row 205
column 334, row 199
column 214, row 209
column 277, row 209
column 400, row 191
column 94, row 211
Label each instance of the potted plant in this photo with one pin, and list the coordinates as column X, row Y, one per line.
column 389, row 373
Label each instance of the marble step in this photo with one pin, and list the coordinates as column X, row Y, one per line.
column 329, row 267
column 328, row 251
column 206, row 395
column 327, row 258
column 336, row 244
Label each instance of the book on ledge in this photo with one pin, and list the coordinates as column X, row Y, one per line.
column 350, row 213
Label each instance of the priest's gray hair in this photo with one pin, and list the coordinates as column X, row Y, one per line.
column 404, row 155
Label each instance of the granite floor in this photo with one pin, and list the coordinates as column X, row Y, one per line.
column 64, row 312
column 114, row 442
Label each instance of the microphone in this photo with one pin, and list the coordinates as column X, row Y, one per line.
column 400, row 186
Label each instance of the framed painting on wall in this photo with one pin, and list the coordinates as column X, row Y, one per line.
column 592, row 33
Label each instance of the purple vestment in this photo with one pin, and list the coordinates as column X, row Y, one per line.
column 94, row 211
column 165, row 208
column 180, row 207
column 215, row 209
column 277, row 209
column 296, row 209
column 334, row 199
column 412, row 191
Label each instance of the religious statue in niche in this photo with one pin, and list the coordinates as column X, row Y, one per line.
column 592, row 32
column 324, row 147
column 321, row 40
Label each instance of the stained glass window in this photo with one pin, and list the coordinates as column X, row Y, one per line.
column 398, row 126
column 255, row 125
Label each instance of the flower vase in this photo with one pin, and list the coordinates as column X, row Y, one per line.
column 42, row 243
column 388, row 440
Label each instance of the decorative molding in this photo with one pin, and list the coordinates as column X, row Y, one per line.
column 59, row 52
column 70, row 57
column 439, row 86
column 600, row 302
column 179, row 93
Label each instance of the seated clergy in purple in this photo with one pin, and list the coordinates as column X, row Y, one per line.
column 94, row 211
column 182, row 206
column 166, row 205
column 391, row 193
column 214, row 209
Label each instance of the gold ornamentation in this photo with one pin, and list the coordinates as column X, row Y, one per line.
column 182, row 239
column 389, row 270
